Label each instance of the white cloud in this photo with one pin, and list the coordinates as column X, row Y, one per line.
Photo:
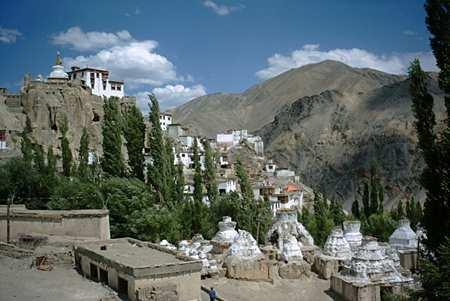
column 221, row 9
column 355, row 57
column 8, row 35
column 170, row 96
column 79, row 40
column 136, row 63
column 409, row 32
column 136, row 12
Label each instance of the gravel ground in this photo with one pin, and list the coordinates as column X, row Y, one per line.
column 20, row 281
column 282, row 289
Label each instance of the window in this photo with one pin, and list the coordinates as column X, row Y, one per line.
column 113, row 87
column 104, row 85
column 98, row 75
column 94, row 272
column 119, row 87
column 2, row 139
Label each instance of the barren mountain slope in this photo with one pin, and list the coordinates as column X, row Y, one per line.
column 332, row 138
column 258, row 105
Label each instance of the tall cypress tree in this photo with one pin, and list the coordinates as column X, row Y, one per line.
column 198, row 185
column 112, row 161
column 51, row 162
column 83, row 155
column 26, row 145
column 65, row 148
column 355, row 209
column 156, row 170
column 210, row 173
column 366, row 199
column 200, row 211
column 134, row 132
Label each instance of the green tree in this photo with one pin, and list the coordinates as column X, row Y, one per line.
column 379, row 225
column 65, row 148
column 51, row 163
column 134, row 132
column 323, row 219
column 366, row 199
column 83, row 155
column 112, row 161
column 337, row 212
column 355, row 209
column 157, row 170
column 198, row 183
column 210, row 173
column 26, row 145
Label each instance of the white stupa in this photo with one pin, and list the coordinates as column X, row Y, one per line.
column 58, row 70
column 403, row 237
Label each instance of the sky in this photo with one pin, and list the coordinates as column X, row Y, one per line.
column 182, row 49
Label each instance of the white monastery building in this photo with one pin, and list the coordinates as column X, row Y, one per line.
column 98, row 80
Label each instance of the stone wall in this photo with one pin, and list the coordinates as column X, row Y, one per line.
column 355, row 292
column 76, row 223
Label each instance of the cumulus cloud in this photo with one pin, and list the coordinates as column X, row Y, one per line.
column 170, row 96
column 221, row 9
column 79, row 40
column 355, row 57
column 8, row 35
column 136, row 63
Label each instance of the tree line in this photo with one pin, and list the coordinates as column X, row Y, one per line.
column 146, row 200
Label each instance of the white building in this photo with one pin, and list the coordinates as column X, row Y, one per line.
column 227, row 185
column 165, row 119
column 98, row 80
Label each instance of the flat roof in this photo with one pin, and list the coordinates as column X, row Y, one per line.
column 137, row 258
column 19, row 211
column 132, row 255
column 87, row 69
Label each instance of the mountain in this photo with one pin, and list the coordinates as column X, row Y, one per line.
column 258, row 105
column 329, row 122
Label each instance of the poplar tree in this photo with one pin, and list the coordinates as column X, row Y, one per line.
column 210, row 173
column 112, row 161
column 83, row 155
column 65, row 148
column 134, row 132
column 51, row 162
column 26, row 145
column 156, row 170
column 198, row 185
column 355, row 209
column 200, row 211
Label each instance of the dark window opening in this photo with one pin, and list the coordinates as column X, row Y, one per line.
column 96, row 117
column 122, row 287
column 119, row 88
column 94, row 272
column 222, row 191
column 103, row 276
column 2, row 135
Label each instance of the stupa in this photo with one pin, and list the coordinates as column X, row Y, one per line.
column 371, row 263
column 290, row 249
column 403, row 237
column 58, row 73
column 244, row 246
column 352, row 234
column 286, row 223
column 337, row 246
column 227, row 232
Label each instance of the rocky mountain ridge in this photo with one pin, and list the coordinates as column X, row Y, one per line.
column 328, row 122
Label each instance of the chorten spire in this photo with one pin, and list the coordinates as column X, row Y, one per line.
column 58, row 59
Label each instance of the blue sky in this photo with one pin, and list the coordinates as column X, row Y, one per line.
column 182, row 49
